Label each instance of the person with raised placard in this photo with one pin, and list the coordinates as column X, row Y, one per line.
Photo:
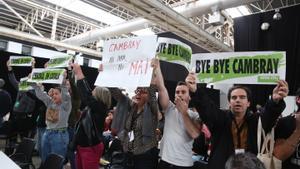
column 58, row 102
column 235, row 131
column 135, row 121
column 287, row 138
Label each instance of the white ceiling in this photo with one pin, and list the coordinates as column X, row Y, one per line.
column 75, row 17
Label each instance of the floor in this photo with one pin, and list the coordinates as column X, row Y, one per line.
column 36, row 159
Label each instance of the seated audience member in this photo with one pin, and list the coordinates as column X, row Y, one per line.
column 179, row 129
column 287, row 138
column 244, row 161
column 235, row 131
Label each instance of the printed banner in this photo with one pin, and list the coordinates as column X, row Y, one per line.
column 20, row 61
column 59, row 61
column 174, row 51
column 54, row 76
column 126, row 62
column 240, row 67
column 24, row 85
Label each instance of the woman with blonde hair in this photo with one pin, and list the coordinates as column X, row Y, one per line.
column 87, row 138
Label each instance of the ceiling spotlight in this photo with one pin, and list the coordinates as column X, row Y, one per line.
column 277, row 15
column 265, row 26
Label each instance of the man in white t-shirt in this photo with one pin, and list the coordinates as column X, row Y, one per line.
column 179, row 130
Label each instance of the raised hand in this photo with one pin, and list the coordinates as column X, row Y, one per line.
column 190, row 80
column 77, row 71
column 181, row 105
column 280, row 91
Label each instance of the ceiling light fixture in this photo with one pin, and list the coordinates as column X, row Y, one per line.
column 277, row 15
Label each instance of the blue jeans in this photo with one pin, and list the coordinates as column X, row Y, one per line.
column 71, row 155
column 54, row 141
column 40, row 133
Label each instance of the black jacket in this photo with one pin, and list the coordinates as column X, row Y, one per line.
column 98, row 112
column 219, row 123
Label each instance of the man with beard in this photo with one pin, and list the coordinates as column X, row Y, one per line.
column 287, row 138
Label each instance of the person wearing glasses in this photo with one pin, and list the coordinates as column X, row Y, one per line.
column 135, row 122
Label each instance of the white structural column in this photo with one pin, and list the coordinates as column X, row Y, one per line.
column 24, row 20
column 192, row 9
column 54, row 23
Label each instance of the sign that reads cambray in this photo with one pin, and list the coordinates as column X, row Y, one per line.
column 59, row 61
column 54, row 76
column 126, row 62
column 240, row 67
column 24, row 85
column 20, row 60
column 174, row 51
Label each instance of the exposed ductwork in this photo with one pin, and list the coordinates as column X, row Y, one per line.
column 45, row 41
column 192, row 9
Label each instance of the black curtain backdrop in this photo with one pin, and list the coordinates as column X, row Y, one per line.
column 282, row 35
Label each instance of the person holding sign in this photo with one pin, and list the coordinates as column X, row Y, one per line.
column 58, row 103
column 179, row 130
column 235, row 131
column 87, row 140
column 287, row 138
column 138, row 132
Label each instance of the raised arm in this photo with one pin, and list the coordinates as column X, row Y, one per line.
column 207, row 109
column 11, row 77
column 275, row 106
column 158, row 80
column 83, row 86
column 284, row 148
column 41, row 95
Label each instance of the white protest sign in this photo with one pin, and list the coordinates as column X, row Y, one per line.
column 54, row 76
column 6, row 162
column 240, row 67
column 24, row 85
column 59, row 61
column 174, row 51
column 126, row 62
column 20, row 60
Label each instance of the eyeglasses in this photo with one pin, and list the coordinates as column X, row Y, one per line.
column 141, row 91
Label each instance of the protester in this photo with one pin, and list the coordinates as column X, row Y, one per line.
column 235, row 131
column 90, row 125
column 56, row 138
column 5, row 102
column 138, row 135
column 179, row 129
column 287, row 136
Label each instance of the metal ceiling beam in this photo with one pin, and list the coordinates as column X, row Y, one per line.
column 20, row 17
column 193, row 9
column 6, row 32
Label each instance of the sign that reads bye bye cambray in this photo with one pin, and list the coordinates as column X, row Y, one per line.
column 240, row 67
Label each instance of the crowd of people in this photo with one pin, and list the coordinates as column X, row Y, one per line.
column 147, row 131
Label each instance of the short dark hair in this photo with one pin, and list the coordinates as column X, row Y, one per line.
column 247, row 90
column 181, row 83
column 244, row 161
